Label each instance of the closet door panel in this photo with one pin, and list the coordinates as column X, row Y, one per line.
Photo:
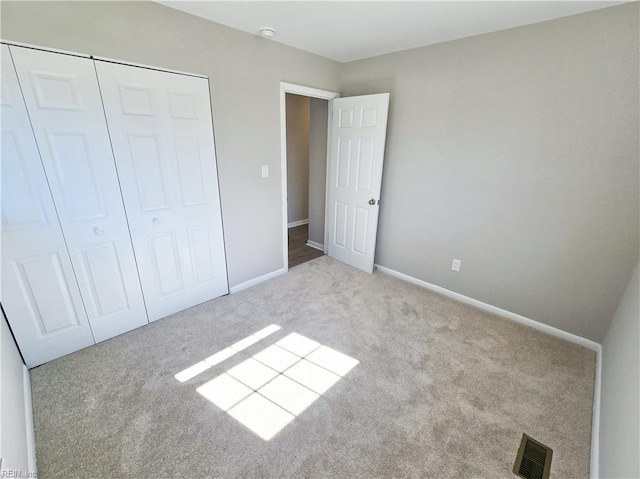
column 161, row 130
column 64, row 103
column 39, row 291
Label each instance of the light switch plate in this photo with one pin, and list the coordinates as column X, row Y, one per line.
column 265, row 171
column 455, row 266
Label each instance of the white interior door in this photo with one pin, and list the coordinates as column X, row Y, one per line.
column 63, row 100
column 358, row 134
column 39, row 292
column 162, row 135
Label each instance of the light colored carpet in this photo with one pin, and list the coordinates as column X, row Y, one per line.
column 441, row 390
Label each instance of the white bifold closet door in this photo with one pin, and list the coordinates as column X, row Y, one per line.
column 39, row 292
column 63, row 100
column 162, row 135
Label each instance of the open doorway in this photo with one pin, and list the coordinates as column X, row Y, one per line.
column 305, row 114
column 306, row 178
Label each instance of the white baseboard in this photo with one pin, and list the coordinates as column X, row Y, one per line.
column 293, row 224
column 315, row 245
column 252, row 282
column 587, row 343
column 28, row 415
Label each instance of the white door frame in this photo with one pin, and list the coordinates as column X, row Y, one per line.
column 313, row 93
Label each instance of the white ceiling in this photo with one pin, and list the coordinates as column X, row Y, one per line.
column 346, row 31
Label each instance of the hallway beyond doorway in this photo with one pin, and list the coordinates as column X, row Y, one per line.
column 299, row 252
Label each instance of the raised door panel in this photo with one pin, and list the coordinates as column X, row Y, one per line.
column 25, row 209
column 150, row 172
column 166, row 263
column 343, row 163
column 365, row 165
column 44, row 288
column 39, row 292
column 340, row 224
column 161, row 130
column 202, row 257
column 190, row 171
column 64, row 103
column 76, row 173
column 101, row 268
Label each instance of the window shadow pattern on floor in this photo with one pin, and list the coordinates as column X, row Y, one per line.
column 267, row 391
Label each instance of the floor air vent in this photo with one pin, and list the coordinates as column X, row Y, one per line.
column 533, row 460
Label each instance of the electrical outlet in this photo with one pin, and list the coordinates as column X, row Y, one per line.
column 455, row 266
column 265, row 171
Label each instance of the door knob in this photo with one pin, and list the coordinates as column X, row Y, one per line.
column 372, row 202
column 97, row 231
column 155, row 221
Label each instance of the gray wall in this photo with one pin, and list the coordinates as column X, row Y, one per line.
column 317, row 168
column 245, row 73
column 620, row 403
column 516, row 152
column 297, row 157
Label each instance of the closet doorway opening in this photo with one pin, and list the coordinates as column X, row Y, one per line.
column 305, row 122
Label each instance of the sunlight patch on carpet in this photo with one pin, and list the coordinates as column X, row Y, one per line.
column 268, row 391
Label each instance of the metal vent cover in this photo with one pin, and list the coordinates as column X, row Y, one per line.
column 533, row 460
